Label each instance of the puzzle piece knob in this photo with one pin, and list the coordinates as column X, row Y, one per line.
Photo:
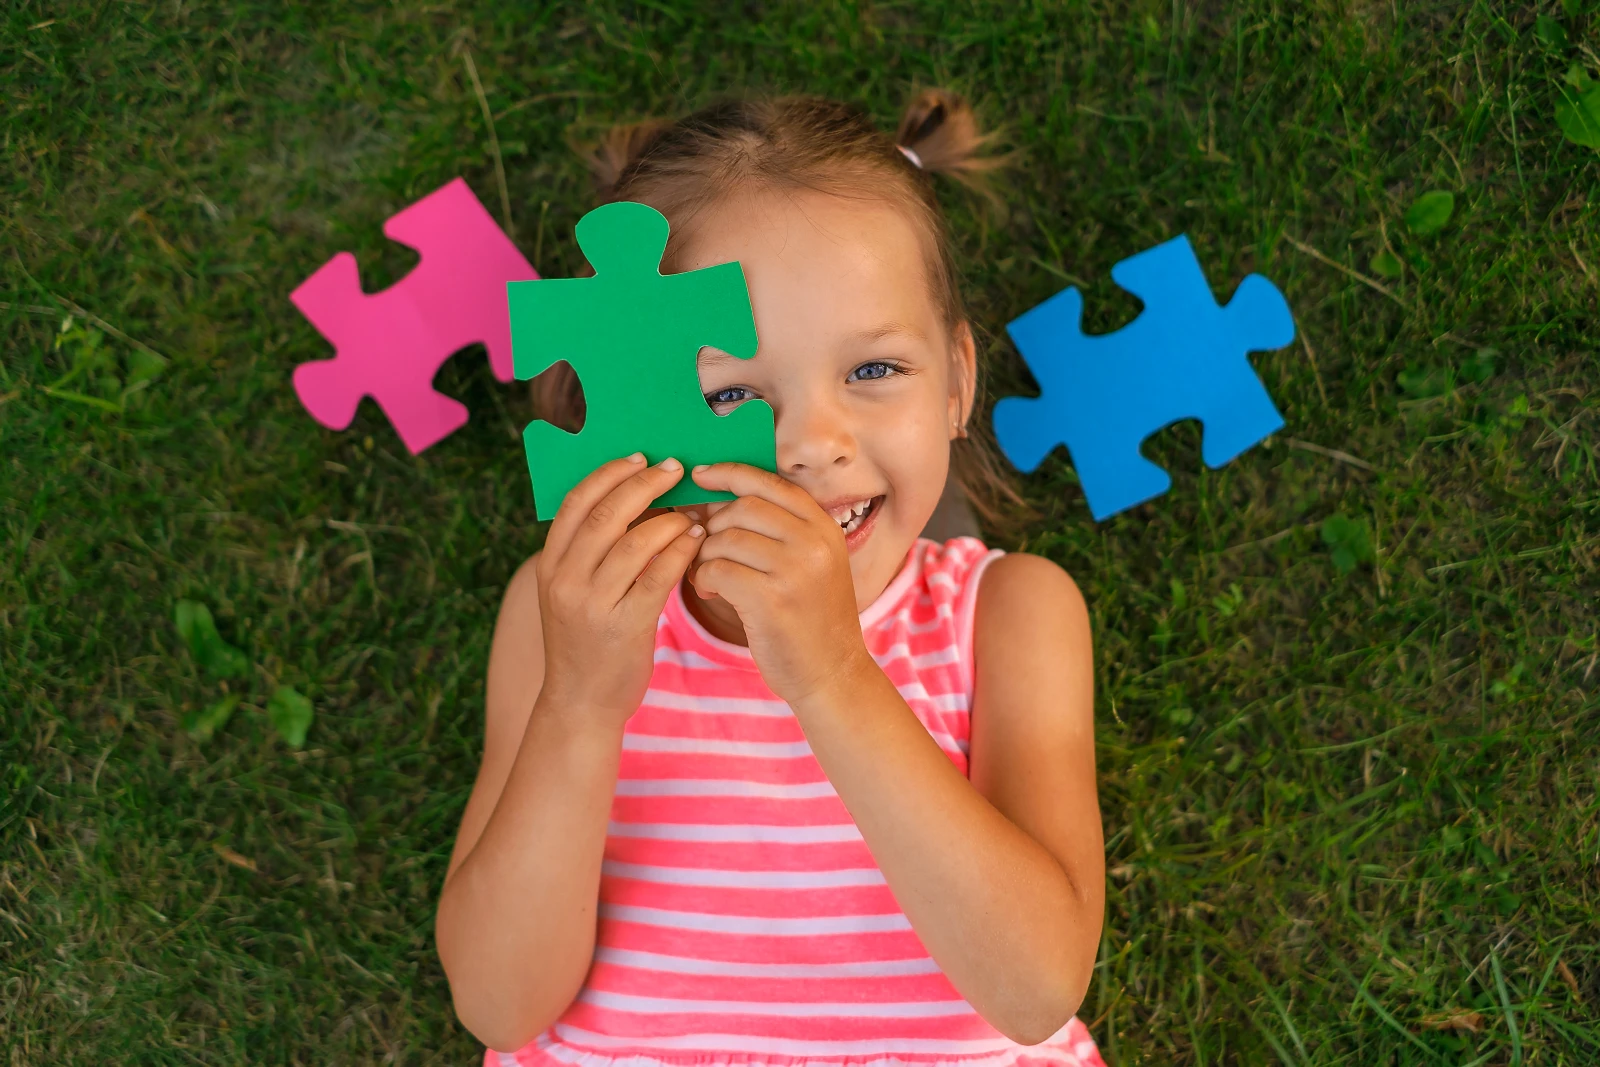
column 325, row 386
column 327, row 393
column 624, row 237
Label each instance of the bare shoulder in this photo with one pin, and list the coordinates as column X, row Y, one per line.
column 1020, row 590
column 1033, row 666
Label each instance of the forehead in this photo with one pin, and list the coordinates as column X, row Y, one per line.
column 816, row 255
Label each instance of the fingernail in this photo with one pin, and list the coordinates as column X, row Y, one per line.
column 670, row 464
column 637, row 457
column 700, row 467
column 696, row 530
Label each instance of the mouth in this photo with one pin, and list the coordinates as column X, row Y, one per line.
column 856, row 519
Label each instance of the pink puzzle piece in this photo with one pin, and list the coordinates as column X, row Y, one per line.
column 390, row 344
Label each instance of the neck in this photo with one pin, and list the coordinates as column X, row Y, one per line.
column 715, row 614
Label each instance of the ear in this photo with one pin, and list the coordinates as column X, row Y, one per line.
column 963, row 377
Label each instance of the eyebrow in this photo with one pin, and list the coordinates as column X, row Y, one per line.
column 711, row 354
column 887, row 329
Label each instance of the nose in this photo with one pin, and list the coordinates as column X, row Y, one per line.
column 813, row 435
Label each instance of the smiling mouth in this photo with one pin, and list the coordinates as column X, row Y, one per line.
column 851, row 516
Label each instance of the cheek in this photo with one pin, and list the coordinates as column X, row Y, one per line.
column 913, row 450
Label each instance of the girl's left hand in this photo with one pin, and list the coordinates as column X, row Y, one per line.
column 781, row 562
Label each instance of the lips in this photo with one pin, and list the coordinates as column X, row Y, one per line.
column 851, row 516
column 856, row 518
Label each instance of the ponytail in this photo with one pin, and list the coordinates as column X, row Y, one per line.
column 940, row 131
column 621, row 148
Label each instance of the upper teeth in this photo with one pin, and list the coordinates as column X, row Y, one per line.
column 849, row 511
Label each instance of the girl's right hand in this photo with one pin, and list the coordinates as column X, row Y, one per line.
column 602, row 587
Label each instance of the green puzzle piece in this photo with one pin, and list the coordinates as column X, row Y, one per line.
column 633, row 336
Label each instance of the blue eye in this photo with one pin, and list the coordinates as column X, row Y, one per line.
column 868, row 372
column 732, row 395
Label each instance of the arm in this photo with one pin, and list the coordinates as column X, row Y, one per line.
column 570, row 662
column 516, row 921
column 1033, row 744
column 1002, row 877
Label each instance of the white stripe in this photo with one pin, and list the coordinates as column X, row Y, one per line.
column 911, row 1009
column 507, row 1059
column 1001, row 1050
column 757, row 834
column 706, row 746
column 777, row 709
column 937, row 658
column 651, row 961
column 756, row 924
column 682, row 657
column 663, row 698
column 949, row 701
column 941, row 578
column 902, row 650
column 644, row 872
column 722, row 787
column 915, row 690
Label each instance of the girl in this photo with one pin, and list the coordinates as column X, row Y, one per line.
column 778, row 781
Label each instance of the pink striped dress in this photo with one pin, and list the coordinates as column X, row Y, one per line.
column 742, row 919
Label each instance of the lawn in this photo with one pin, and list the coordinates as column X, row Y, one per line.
column 1348, row 685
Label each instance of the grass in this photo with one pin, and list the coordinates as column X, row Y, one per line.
column 1350, row 803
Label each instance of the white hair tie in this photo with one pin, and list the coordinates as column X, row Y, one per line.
column 916, row 160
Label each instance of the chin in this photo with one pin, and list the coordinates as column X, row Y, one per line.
column 877, row 558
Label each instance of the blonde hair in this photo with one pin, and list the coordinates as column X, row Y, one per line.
column 681, row 167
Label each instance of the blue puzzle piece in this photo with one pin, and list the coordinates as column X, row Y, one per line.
column 1183, row 357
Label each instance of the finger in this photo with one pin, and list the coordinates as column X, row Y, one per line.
column 759, row 516
column 702, row 512
column 741, row 479
column 651, row 589
column 583, row 496
column 738, row 545
column 649, row 513
column 732, row 581
column 608, row 519
column 632, row 552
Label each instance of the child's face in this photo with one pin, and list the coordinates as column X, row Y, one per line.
column 866, row 382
